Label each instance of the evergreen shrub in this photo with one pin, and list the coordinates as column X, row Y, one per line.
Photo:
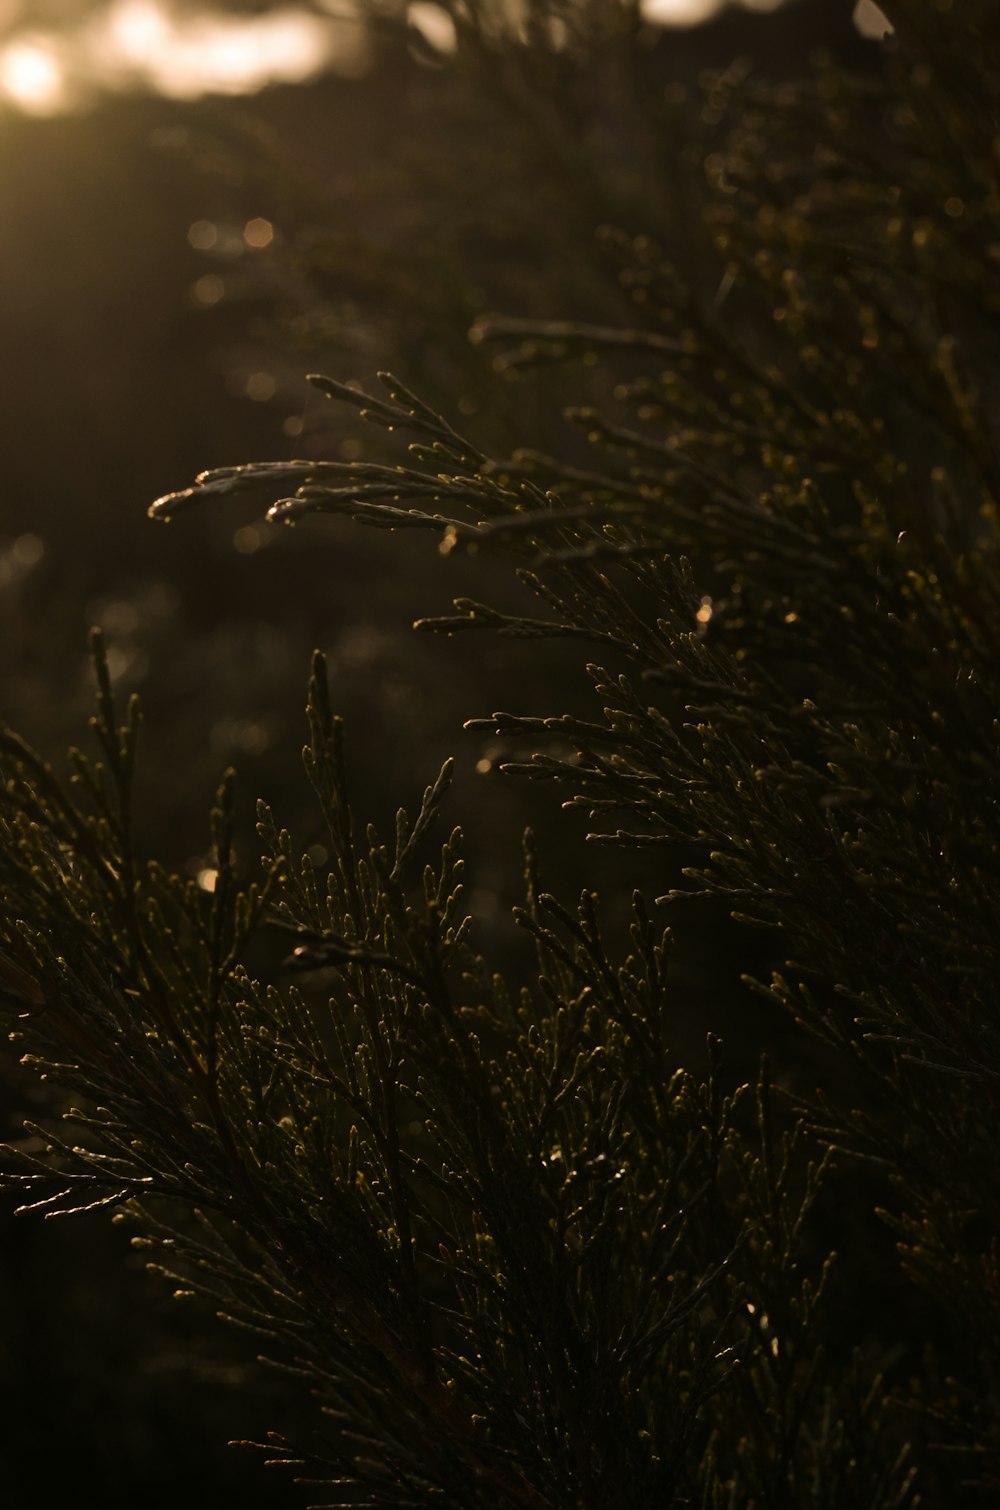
column 505, row 1247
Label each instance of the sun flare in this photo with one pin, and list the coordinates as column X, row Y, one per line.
column 182, row 54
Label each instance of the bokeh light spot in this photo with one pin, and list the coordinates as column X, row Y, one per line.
column 28, row 550
column 679, row 12
column 434, row 24
column 258, row 232
column 260, row 387
column 32, row 77
column 247, row 539
column 209, row 289
column 203, row 235
column 870, row 21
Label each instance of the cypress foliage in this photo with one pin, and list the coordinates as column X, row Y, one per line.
column 507, row 1249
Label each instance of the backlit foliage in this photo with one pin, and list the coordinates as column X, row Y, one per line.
column 508, row 1249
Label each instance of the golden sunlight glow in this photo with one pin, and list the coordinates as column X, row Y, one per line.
column 679, row 12
column 186, row 55
column 152, row 44
column 32, row 77
column 187, row 52
column 133, row 30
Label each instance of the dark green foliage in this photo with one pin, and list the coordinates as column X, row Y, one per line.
column 508, row 1250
